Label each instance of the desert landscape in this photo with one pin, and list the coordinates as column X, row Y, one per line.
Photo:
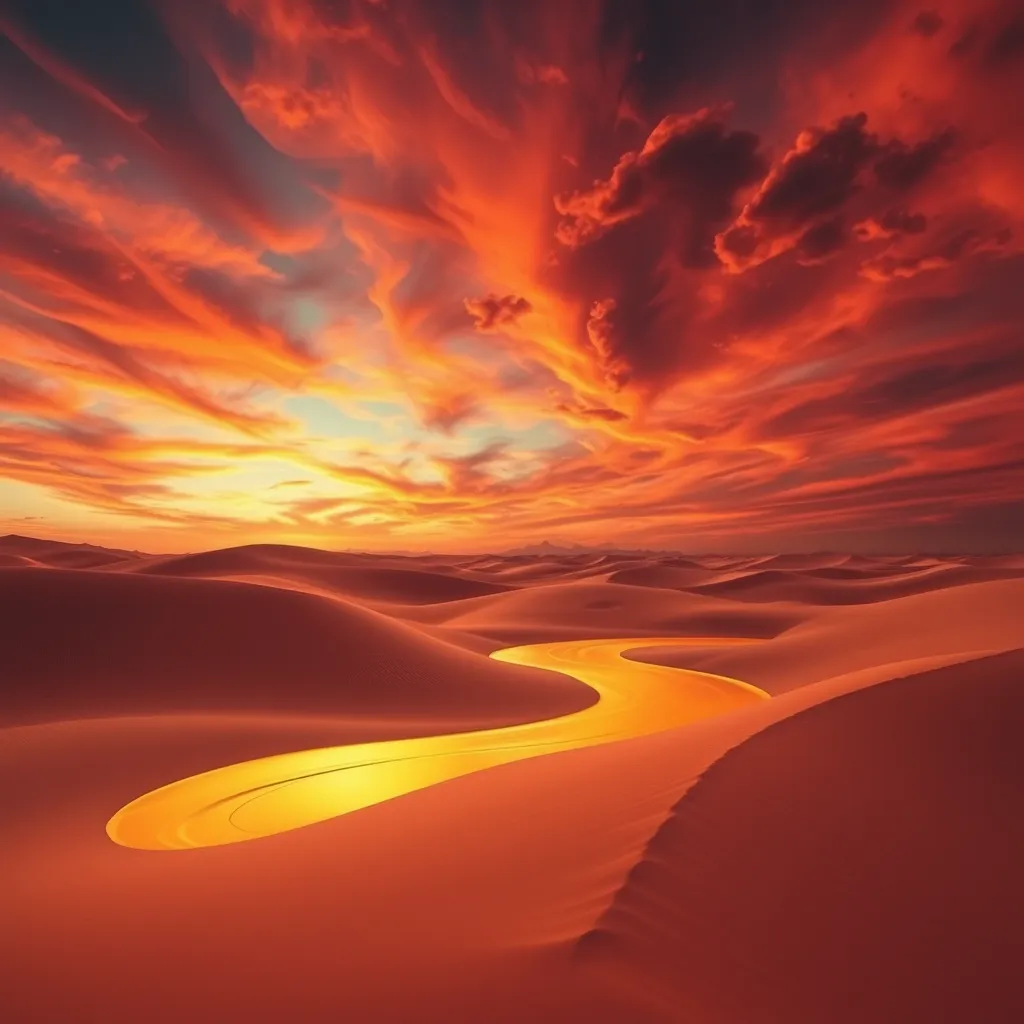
column 511, row 511
column 846, row 849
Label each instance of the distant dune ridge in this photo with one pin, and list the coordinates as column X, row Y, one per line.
column 846, row 852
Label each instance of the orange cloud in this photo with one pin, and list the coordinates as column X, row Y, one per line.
column 494, row 311
column 407, row 273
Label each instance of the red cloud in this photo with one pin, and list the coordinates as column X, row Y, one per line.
column 261, row 257
column 690, row 166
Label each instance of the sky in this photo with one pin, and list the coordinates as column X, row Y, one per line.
column 466, row 274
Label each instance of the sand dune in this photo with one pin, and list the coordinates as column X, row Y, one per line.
column 95, row 644
column 772, row 585
column 402, row 580
column 835, row 641
column 800, row 561
column 8, row 561
column 254, row 558
column 780, row 892
column 577, row 609
column 60, row 555
column 846, row 851
column 665, row 577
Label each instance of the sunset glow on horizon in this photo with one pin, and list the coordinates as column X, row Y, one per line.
column 451, row 275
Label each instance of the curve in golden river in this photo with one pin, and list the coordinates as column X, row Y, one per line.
column 259, row 798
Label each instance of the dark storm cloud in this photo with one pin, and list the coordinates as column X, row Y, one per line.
column 902, row 167
column 798, row 203
column 822, row 240
column 679, row 44
column 690, row 168
column 843, row 172
column 1007, row 44
column 893, row 223
column 653, row 218
column 901, row 220
column 634, row 324
column 819, row 176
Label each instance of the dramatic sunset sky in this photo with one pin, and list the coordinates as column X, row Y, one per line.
column 465, row 274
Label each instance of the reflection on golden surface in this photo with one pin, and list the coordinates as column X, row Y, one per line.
column 274, row 794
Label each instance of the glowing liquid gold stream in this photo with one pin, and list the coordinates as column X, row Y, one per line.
column 260, row 798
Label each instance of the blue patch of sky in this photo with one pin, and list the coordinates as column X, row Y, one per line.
column 323, row 418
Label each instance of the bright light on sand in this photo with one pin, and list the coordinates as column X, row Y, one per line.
column 260, row 798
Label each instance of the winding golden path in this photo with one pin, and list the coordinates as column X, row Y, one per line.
column 260, row 798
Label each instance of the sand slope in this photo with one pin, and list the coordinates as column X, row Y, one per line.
column 830, row 642
column 818, row 587
column 856, row 862
column 583, row 608
column 89, row 644
column 844, row 852
column 375, row 579
column 33, row 551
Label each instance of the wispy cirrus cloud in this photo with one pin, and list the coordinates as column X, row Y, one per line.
column 449, row 274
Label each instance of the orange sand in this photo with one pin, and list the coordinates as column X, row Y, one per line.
column 845, row 852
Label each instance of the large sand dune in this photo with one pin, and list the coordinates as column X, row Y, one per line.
column 847, row 851
column 851, row 863
column 80, row 644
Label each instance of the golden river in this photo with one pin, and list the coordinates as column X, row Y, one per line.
column 259, row 798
